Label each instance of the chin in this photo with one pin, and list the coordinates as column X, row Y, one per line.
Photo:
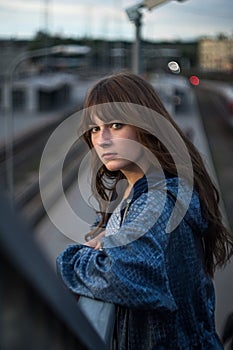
column 120, row 165
column 112, row 167
column 116, row 165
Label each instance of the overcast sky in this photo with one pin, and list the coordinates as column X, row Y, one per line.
column 107, row 19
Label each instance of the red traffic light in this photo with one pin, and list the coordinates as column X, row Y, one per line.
column 194, row 80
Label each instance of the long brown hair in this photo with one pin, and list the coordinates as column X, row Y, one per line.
column 132, row 89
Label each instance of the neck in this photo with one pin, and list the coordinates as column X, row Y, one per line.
column 132, row 177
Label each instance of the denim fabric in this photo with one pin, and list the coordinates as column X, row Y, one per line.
column 164, row 298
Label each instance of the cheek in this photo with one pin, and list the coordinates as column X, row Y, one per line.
column 130, row 149
column 94, row 143
column 97, row 151
column 132, row 134
column 95, row 148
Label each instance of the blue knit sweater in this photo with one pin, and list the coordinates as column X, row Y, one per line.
column 164, row 298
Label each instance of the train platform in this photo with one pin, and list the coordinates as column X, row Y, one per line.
column 24, row 122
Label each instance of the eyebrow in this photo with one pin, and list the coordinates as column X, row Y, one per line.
column 92, row 126
column 112, row 122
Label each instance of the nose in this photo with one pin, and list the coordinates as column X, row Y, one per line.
column 105, row 138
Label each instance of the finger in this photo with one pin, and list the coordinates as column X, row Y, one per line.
column 98, row 245
column 90, row 244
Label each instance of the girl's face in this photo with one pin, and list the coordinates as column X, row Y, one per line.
column 116, row 144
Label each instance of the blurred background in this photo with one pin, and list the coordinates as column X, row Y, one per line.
column 52, row 51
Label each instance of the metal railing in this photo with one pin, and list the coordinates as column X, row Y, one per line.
column 35, row 306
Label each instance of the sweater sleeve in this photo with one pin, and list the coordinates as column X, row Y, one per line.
column 132, row 274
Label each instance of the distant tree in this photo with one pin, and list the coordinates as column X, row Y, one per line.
column 41, row 39
column 222, row 36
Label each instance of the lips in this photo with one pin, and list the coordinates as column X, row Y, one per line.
column 109, row 156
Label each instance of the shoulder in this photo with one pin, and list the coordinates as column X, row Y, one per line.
column 174, row 199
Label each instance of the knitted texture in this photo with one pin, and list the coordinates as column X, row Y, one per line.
column 157, row 280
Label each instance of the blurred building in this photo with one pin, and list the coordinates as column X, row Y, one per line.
column 9, row 50
column 40, row 83
column 41, row 93
column 216, row 54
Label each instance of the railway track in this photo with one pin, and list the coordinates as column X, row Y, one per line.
column 27, row 152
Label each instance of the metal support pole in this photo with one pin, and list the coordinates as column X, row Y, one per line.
column 137, row 62
column 9, row 137
column 135, row 15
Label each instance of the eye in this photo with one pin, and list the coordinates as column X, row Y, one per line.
column 117, row 126
column 94, row 129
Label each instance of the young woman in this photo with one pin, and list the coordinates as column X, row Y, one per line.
column 159, row 235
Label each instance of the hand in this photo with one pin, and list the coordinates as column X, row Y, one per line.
column 95, row 242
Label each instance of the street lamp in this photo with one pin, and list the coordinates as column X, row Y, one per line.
column 135, row 16
column 9, row 110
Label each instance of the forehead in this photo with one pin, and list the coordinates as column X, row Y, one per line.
column 96, row 120
column 107, row 112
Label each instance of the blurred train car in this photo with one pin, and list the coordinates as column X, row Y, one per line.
column 179, row 100
column 222, row 97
